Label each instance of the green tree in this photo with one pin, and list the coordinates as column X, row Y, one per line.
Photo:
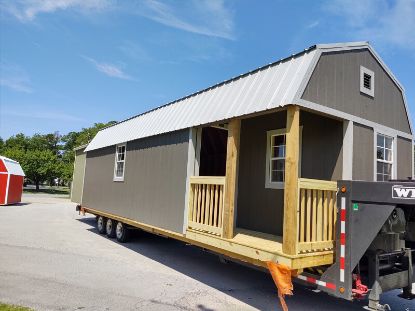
column 49, row 156
column 87, row 134
column 45, row 142
column 1, row 145
column 40, row 165
column 19, row 141
column 15, row 154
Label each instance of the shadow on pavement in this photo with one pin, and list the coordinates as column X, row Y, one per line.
column 248, row 285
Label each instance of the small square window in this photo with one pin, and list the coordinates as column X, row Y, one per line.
column 367, row 81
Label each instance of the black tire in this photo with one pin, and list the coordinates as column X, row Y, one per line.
column 110, row 228
column 101, row 224
column 122, row 233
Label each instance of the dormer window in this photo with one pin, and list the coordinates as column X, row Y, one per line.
column 367, row 81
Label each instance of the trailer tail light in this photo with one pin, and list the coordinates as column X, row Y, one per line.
column 359, row 290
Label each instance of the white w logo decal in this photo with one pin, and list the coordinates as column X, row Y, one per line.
column 400, row 192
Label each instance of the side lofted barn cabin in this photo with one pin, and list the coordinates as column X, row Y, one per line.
column 248, row 167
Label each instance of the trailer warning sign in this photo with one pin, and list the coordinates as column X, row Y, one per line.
column 402, row 192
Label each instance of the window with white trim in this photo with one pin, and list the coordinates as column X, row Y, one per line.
column 384, row 157
column 367, row 81
column 119, row 162
column 275, row 166
column 275, row 159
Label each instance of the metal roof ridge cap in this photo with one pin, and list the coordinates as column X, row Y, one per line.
column 352, row 44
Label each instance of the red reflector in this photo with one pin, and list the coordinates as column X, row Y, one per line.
column 341, row 263
column 343, row 215
column 342, row 238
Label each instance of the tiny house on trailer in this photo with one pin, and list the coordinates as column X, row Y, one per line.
column 11, row 181
column 249, row 167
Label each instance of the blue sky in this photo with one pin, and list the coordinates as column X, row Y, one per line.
column 69, row 63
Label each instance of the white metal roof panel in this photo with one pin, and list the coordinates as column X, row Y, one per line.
column 13, row 167
column 265, row 88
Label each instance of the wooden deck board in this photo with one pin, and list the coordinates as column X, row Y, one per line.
column 264, row 241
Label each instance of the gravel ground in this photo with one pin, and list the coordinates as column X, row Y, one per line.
column 53, row 259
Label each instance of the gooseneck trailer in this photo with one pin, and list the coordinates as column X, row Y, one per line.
column 290, row 163
column 374, row 236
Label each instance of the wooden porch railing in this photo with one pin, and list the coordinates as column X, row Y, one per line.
column 317, row 215
column 206, row 203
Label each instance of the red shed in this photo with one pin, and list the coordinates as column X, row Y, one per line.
column 11, row 181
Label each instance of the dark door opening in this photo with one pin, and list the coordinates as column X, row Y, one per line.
column 213, row 152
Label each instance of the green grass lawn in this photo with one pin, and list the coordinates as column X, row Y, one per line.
column 7, row 307
column 49, row 190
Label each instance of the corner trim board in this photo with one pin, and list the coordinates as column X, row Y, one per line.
column 191, row 153
column 347, row 170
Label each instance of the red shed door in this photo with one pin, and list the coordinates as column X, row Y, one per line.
column 3, row 187
column 15, row 189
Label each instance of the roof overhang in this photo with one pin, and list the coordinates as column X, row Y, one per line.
column 272, row 86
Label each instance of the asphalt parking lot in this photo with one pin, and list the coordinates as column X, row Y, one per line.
column 53, row 259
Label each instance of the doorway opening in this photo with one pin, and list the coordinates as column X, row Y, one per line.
column 213, row 151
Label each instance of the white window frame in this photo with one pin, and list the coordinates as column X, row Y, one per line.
column 363, row 89
column 120, row 178
column 278, row 184
column 394, row 155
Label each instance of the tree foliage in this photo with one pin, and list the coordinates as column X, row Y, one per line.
column 46, row 157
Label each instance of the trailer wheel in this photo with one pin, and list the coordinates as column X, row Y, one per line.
column 101, row 224
column 122, row 233
column 110, row 228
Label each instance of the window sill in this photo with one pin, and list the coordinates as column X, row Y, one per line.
column 274, row 185
column 118, row 179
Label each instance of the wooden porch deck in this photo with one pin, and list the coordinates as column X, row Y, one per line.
column 257, row 248
column 314, row 235
column 267, row 242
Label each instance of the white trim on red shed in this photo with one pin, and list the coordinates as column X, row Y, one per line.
column 12, row 167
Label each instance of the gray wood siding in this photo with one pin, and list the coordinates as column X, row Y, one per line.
column 322, row 147
column 78, row 176
column 405, row 158
column 260, row 208
column 363, row 153
column 335, row 83
column 154, row 186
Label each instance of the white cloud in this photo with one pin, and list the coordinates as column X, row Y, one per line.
column 14, row 77
column 48, row 115
column 381, row 21
column 205, row 17
column 110, row 70
column 313, row 24
column 27, row 10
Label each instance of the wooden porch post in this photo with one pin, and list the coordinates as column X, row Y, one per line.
column 231, row 178
column 290, row 229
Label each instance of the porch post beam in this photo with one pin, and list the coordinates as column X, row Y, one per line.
column 290, row 229
column 231, row 179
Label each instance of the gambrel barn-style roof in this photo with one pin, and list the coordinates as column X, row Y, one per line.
column 272, row 86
